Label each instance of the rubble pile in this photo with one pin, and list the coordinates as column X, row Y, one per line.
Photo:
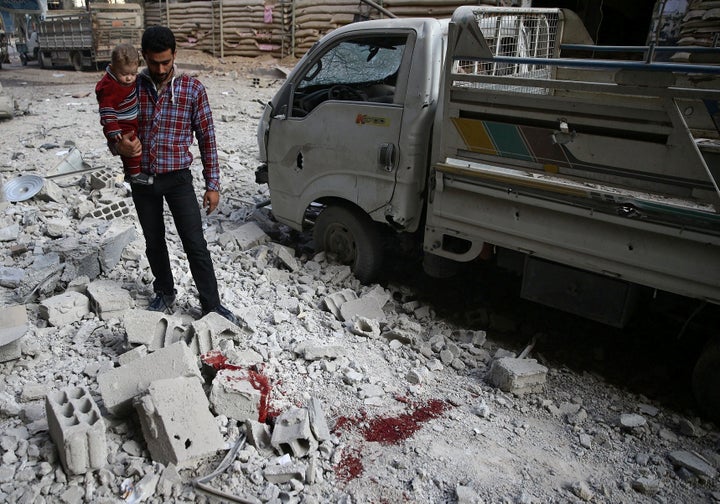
column 328, row 391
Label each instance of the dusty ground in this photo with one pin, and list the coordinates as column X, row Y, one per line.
column 450, row 438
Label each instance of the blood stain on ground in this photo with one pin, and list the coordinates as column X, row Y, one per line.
column 383, row 430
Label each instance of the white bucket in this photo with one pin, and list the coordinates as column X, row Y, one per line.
column 72, row 162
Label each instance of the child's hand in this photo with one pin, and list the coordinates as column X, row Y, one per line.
column 129, row 146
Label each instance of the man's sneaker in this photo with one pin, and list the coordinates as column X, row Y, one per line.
column 162, row 303
column 221, row 310
column 141, row 178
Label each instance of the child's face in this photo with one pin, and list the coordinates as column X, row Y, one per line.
column 125, row 74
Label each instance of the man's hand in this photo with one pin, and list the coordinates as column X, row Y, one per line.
column 129, row 146
column 211, row 200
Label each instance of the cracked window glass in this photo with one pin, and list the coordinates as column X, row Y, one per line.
column 361, row 69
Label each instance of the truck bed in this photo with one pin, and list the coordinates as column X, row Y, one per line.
column 606, row 167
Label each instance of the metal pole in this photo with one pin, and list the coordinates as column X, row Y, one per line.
column 292, row 30
column 222, row 32
column 379, row 8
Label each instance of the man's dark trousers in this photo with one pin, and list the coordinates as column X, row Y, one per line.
column 176, row 188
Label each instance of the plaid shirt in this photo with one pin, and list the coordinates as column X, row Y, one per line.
column 167, row 123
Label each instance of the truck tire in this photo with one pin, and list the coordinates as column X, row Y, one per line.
column 706, row 380
column 352, row 237
column 76, row 59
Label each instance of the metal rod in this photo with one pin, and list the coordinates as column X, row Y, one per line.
column 379, row 8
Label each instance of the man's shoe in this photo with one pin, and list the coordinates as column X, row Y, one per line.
column 162, row 303
column 221, row 310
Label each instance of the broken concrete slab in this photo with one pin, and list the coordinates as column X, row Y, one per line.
column 120, row 385
column 13, row 323
column 368, row 307
column 108, row 299
column 247, row 236
column 176, row 421
column 517, row 376
column 205, row 334
column 234, row 396
column 693, row 463
column 292, row 433
column 154, row 330
column 258, row 435
column 64, row 309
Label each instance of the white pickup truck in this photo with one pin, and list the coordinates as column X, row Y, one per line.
column 476, row 137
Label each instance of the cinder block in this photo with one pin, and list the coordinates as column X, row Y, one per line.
column 292, row 433
column 517, row 376
column 105, row 178
column 109, row 299
column 205, row 334
column 176, row 422
column 65, row 308
column 155, row 330
column 77, row 429
column 234, row 396
column 113, row 210
column 120, row 385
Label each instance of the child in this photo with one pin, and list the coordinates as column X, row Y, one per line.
column 117, row 97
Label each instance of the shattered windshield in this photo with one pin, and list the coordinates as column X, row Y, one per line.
column 355, row 61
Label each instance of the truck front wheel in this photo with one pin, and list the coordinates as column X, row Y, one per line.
column 706, row 380
column 352, row 237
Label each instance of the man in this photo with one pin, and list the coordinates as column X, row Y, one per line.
column 172, row 108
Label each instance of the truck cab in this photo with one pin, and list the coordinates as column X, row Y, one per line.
column 352, row 123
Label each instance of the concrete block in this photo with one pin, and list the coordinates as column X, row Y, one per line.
column 368, row 307
column 258, row 435
column 113, row 210
column 286, row 256
column 13, row 323
column 108, row 299
column 77, row 429
column 234, row 396
column 104, row 178
column 205, row 334
column 133, row 354
column 317, row 352
column 81, row 259
column 176, row 422
column 284, row 473
column 155, row 330
column 114, row 241
column 11, row 351
column 334, row 301
column 249, row 235
column 51, row 192
column 120, row 385
column 318, row 422
column 517, row 376
column 292, row 433
column 65, row 308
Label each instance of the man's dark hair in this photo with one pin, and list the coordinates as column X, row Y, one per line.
column 158, row 39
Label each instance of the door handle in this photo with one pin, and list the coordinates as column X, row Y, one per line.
column 386, row 156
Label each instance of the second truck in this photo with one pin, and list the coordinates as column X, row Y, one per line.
column 85, row 38
column 477, row 137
